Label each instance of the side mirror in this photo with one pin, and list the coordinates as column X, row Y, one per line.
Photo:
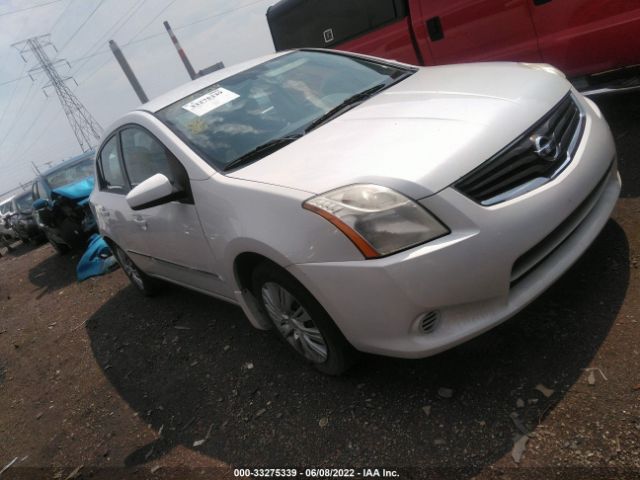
column 153, row 191
column 40, row 204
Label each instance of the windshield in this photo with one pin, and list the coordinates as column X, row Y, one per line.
column 24, row 202
column 276, row 99
column 71, row 174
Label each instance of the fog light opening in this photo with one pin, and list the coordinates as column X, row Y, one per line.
column 428, row 322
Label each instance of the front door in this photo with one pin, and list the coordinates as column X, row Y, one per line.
column 169, row 237
column 456, row 31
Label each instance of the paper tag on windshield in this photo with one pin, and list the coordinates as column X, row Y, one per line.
column 212, row 100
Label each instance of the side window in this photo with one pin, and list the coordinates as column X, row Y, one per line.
column 144, row 156
column 110, row 167
column 34, row 191
column 42, row 191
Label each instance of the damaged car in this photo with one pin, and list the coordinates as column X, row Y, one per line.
column 61, row 203
column 7, row 235
column 21, row 219
column 357, row 204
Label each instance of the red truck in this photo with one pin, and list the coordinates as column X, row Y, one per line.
column 595, row 42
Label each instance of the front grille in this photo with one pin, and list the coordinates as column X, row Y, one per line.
column 532, row 160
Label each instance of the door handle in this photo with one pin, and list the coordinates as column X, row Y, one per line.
column 434, row 27
column 540, row 2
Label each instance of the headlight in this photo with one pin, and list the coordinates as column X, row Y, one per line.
column 378, row 220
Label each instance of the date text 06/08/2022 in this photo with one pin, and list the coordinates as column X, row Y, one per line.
column 315, row 473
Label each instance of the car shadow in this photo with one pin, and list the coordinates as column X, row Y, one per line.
column 622, row 111
column 194, row 369
column 53, row 273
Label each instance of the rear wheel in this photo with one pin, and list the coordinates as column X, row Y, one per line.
column 300, row 320
column 144, row 283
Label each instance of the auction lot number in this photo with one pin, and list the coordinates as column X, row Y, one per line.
column 315, row 473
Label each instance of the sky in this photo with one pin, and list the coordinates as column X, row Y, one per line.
column 34, row 128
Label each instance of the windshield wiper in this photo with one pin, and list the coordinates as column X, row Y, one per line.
column 262, row 151
column 277, row 143
column 349, row 102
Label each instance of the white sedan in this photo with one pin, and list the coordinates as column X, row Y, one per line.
column 357, row 204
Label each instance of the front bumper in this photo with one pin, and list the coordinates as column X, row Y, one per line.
column 495, row 261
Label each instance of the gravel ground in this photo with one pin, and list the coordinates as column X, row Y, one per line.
column 99, row 382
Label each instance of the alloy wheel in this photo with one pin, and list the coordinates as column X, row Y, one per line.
column 294, row 322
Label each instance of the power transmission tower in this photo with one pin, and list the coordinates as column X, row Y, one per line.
column 86, row 129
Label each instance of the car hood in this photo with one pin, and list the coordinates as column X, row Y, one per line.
column 420, row 135
column 78, row 191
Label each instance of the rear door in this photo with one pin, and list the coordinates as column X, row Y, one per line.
column 588, row 36
column 457, row 31
column 373, row 27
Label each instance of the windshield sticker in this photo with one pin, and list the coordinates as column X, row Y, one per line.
column 212, row 100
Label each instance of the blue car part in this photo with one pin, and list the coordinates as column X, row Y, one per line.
column 97, row 260
column 78, row 190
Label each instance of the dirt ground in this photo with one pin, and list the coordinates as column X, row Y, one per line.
column 99, row 382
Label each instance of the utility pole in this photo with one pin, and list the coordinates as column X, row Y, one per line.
column 213, row 68
column 183, row 56
column 35, row 167
column 133, row 80
column 86, row 129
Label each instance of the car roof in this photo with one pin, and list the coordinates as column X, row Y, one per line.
column 70, row 162
column 193, row 86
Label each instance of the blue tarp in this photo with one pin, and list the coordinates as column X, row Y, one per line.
column 96, row 260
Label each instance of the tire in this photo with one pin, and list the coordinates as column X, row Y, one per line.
column 300, row 321
column 60, row 248
column 27, row 240
column 140, row 280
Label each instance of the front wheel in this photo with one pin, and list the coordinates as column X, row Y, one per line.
column 300, row 320
column 60, row 248
column 145, row 284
